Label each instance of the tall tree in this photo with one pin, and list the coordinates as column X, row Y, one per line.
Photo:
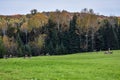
column 3, row 26
column 2, row 48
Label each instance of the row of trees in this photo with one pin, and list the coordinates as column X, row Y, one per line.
column 57, row 33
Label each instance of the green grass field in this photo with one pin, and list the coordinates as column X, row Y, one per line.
column 87, row 66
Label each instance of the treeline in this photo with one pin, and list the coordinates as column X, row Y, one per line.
column 57, row 33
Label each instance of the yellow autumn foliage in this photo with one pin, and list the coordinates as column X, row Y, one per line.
column 37, row 21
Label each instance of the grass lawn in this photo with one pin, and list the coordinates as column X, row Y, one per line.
column 87, row 66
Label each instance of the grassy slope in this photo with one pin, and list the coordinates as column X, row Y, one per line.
column 94, row 66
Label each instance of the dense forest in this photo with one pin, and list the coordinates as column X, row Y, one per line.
column 57, row 33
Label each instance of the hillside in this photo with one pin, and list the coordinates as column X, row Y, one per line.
column 57, row 33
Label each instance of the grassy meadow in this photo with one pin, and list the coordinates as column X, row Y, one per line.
column 87, row 66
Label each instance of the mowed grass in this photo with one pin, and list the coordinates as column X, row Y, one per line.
column 87, row 66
